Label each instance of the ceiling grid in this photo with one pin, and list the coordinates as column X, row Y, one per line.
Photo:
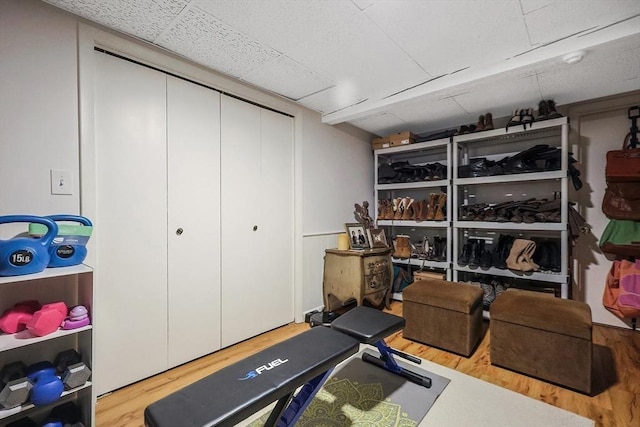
column 394, row 65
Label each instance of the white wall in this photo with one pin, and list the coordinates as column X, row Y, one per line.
column 38, row 108
column 39, row 127
column 338, row 172
column 596, row 127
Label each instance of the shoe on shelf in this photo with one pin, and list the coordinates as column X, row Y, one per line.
column 553, row 114
column 543, row 111
column 515, row 120
column 526, row 116
column 480, row 126
column 488, row 121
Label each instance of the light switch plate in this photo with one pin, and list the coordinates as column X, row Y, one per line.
column 61, row 182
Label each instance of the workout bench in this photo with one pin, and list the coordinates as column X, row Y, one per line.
column 302, row 362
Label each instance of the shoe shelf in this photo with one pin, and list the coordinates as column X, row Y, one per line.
column 540, row 276
column 413, row 185
column 532, row 130
column 414, row 224
column 444, row 265
column 411, row 150
column 513, row 165
column 521, row 177
column 487, row 225
column 421, row 172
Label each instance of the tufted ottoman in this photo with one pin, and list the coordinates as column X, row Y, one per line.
column 547, row 338
column 443, row 314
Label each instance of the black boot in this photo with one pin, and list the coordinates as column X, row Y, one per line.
column 465, row 255
column 476, row 252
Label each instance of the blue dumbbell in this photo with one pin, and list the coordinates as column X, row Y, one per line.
column 47, row 387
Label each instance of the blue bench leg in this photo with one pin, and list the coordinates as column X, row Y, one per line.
column 296, row 407
column 387, row 361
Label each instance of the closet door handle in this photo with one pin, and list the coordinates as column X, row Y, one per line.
column 255, row 228
column 179, row 231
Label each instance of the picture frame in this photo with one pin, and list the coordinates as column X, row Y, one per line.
column 377, row 238
column 358, row 239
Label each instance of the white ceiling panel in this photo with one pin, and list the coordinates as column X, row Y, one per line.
column 145, row 19
column 430, row 113
column 360, row 53
column 495, row 95
column 381, row 124
column 287, row 78
column 444, row 36
column 392, row 65
column 333, row 99
column 211, row 42
column 550, row 21
column 285, row 25
column 618, row 61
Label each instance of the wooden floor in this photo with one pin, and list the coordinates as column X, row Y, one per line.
column 616, row 359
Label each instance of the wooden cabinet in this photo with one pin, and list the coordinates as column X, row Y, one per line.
column 356, row 275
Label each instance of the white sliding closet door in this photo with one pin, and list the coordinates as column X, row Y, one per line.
column 130, row 223
column 257, row 220
column 157, row 221
column 194, row 220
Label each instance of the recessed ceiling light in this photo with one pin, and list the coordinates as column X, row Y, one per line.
column 574, row 57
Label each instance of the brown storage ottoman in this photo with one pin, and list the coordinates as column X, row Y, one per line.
column 546, row 338
column 443, row 314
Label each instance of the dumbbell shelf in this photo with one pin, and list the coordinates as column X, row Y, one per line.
column 24, row 338
column 46, row 273
column 74, row 286
column 4, row 413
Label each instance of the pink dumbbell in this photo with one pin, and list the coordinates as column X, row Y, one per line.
column 48, row 319
column 15, row 319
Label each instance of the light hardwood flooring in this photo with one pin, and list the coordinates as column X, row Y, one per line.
column 616, row 376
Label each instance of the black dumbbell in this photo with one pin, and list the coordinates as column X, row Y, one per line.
column 14, row 385
column 68, row 415
column 71, row 369
column 23, row 422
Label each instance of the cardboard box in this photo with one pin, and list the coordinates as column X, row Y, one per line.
column 402, row 138
column 378, row 143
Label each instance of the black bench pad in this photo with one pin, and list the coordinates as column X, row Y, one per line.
column 223, row 398
column 367, row 324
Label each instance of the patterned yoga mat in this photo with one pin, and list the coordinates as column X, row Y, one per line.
column 359, row 393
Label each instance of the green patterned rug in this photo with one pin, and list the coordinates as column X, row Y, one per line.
column 360, row 394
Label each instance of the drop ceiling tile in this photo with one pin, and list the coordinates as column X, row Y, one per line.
column 287, row 78
column 619, row 61
column 360, row 53
column 145, row 19
column 381, row 124
column 500, row 94
column 333, row 99
column 446, row 36
column 285, row 25
column 549, row 21
column 428, row 112
column 209, row 41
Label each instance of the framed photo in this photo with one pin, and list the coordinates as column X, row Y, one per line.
column 357, row 236
column 377, row 239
